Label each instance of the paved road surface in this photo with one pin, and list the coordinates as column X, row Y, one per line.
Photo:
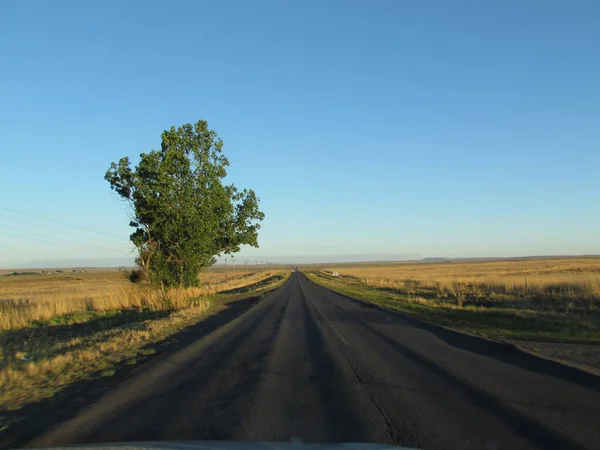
column 308, row 363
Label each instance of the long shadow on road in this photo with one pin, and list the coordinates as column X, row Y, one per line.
column 36, row 418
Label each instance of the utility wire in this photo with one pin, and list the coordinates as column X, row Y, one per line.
column 53, row 243
column 87, row 246
column 60, row 231
column 60, row 223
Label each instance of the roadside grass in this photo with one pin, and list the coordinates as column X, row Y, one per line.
column 514, row 321
column 43, row 353
column 30, row 300
column 559, row 285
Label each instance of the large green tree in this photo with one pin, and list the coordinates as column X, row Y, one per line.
column 182, row 212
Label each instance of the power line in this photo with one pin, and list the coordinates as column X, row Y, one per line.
column 86, row 246
column 60, row 223
column 61, row 241
column 59, row 231
column 53, row 243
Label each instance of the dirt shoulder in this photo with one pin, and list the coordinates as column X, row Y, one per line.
column 582, row 356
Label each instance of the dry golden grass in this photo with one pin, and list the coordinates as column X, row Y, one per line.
column 563, row 282
column 30, row 298
column 47, row 363
column 553, row 300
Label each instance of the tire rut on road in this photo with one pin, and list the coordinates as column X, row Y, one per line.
column 348, row 380
column 299, row 396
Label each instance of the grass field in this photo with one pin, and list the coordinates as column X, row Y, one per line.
column 546, row 299
column 25, row 300
column 60, row 328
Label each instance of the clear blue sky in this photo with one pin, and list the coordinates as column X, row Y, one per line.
column 429, row 128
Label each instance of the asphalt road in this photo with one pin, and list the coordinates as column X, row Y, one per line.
column 310, row 364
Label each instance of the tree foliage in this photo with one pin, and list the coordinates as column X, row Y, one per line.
column 182, row 212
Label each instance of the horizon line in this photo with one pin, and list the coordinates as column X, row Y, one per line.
column 292, row 263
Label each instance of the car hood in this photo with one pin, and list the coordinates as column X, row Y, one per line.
column 232, row 445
